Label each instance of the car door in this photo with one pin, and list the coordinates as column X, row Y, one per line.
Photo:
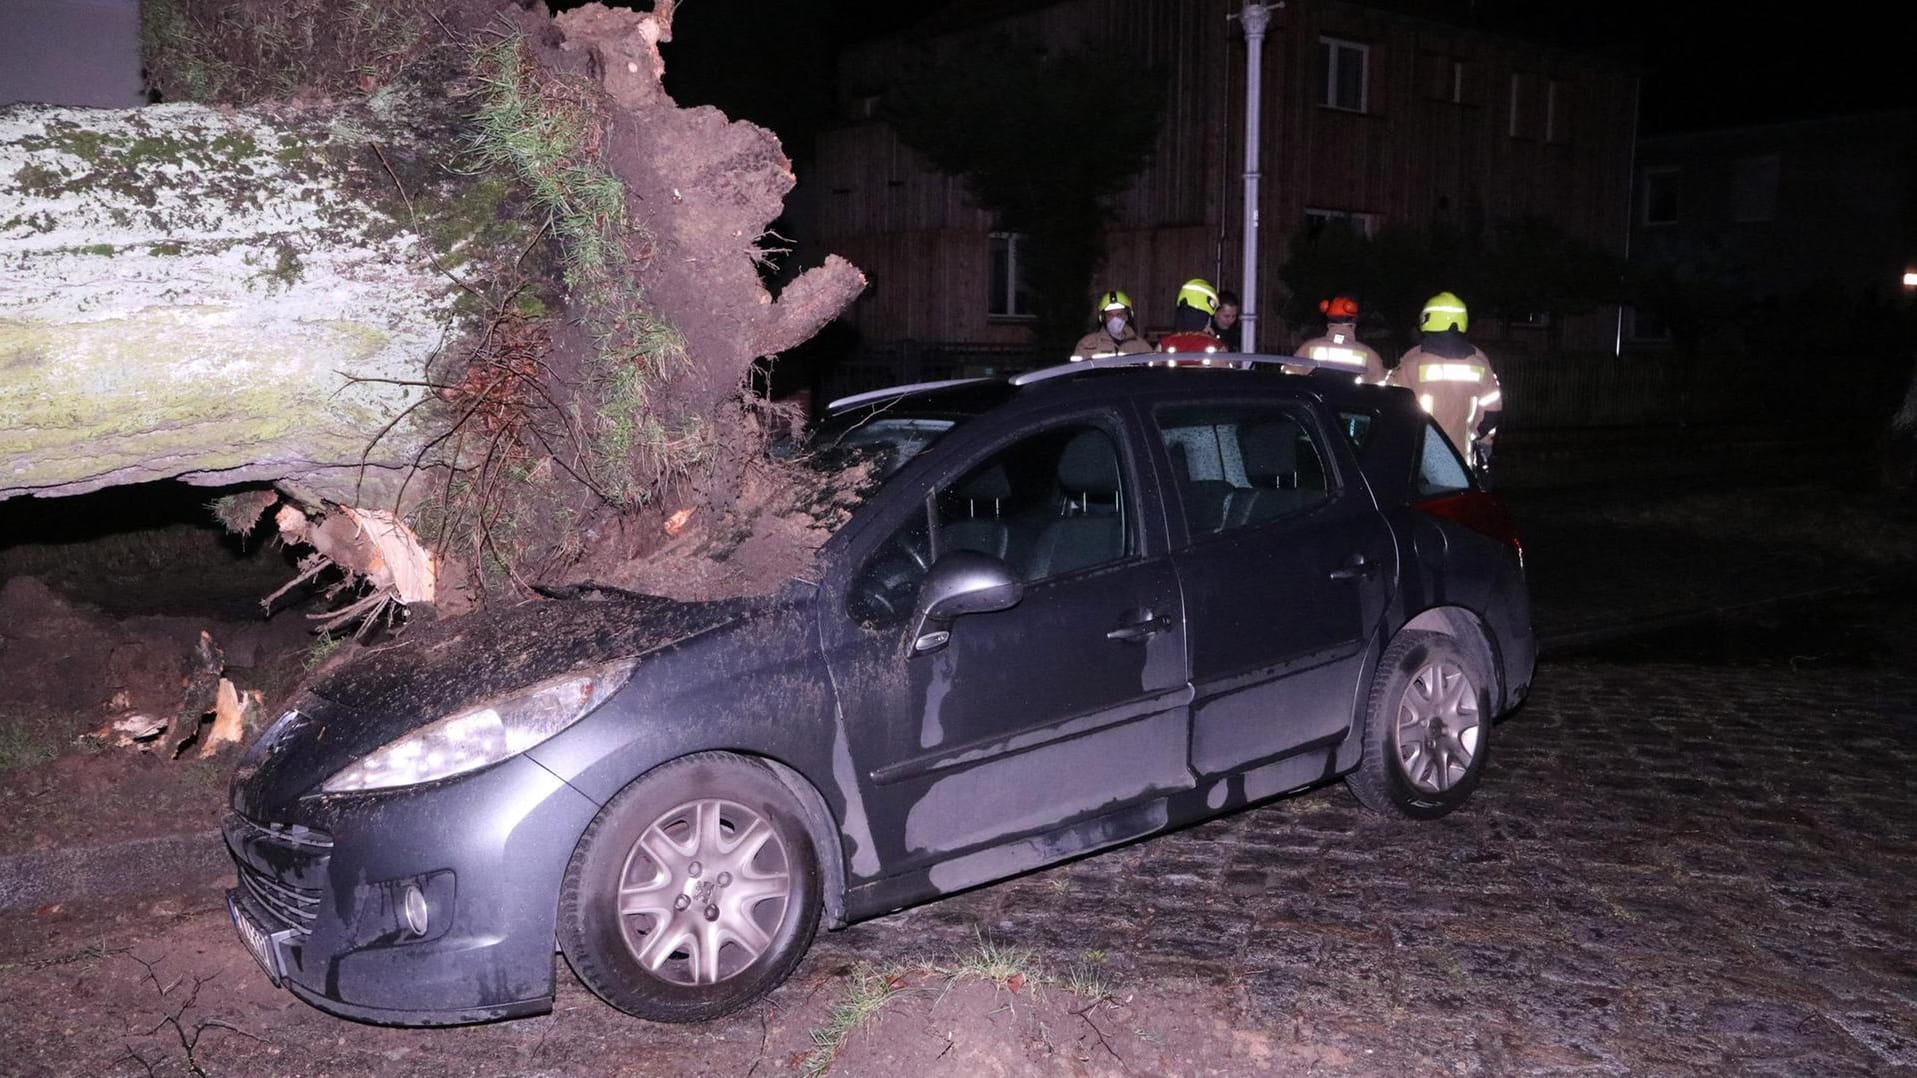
column 1067, row 705
column 1284, row 563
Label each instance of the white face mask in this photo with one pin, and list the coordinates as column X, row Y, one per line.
column 1115, row 326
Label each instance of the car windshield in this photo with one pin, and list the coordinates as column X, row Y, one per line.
column 880, row 439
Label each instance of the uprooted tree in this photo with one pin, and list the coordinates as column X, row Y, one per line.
column 456, row 278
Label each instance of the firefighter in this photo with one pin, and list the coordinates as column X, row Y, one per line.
column 1453, row 379
column 1114, row 335
column 1340, row 347
column 1191, row 322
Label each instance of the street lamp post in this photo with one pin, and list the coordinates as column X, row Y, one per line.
column 1255, row 18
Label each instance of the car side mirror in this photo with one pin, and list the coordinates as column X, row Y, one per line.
column 961, row 582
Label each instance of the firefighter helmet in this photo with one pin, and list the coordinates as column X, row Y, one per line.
column 1444, row 311
column 1339, row 308
column 1113, row 300
column 1198, row 294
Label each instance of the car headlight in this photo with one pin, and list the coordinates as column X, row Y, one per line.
column 481, row 735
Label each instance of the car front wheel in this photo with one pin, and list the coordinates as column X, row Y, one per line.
column 694, row 892
column 1427, row 729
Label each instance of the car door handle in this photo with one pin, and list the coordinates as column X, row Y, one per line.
column 1354, row 567
column 1143, row 629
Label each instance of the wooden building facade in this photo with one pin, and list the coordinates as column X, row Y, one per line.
column 1369, row 118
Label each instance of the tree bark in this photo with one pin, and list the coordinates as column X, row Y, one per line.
column 221, row 296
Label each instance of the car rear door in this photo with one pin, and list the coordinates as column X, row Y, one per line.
column 1068, row 705
column 1285, row 565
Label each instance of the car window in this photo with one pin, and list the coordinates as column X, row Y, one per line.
column 1048, row 504
column 1243, row 465
column 1357, row 426
column 1439, row 469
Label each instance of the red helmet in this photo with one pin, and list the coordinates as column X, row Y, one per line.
column 1339, row 307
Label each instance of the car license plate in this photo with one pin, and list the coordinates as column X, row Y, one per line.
column 258, row 942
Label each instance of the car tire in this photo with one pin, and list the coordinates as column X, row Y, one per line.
column 695, row 891
column 1427, row 731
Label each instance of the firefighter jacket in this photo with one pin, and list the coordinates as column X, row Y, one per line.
column 1341, row 349
column 1191, row 342
column 1100, row 343
column 1455, row 383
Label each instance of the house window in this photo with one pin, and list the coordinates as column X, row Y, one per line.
column 1011, row 297
column 1660, row 203
column 1443, row 78
column 1516, row 129
column 1556, row 121
column 1345, row 65
column 1317, row 221
column 1754, row 189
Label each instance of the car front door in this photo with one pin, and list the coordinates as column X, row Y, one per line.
column 1284, row 563
column 1064, row 707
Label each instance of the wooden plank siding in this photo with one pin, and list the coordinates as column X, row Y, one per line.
column 1414, row 156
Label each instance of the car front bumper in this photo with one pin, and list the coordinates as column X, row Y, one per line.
column 321, row 903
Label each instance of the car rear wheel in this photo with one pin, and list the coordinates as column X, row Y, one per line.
column 694, row 892
column 1427, row 729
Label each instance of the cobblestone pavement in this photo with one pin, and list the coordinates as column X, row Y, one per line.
column 1669, row 870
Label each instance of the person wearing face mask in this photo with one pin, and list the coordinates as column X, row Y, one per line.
column 1114, row 335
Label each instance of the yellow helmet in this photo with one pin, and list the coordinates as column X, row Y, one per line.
column 1444, row 311
column 1111, row 300
column 1198, row 293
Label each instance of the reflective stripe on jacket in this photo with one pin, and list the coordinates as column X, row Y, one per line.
column 1458, row 390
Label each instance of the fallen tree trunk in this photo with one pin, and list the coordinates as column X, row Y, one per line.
column 223, row 296
column 487, row 285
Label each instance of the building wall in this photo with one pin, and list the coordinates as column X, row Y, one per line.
column 1412, row 157
column 1843, row 206
column 71, row 52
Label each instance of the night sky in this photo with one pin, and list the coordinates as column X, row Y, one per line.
column 1704, row 64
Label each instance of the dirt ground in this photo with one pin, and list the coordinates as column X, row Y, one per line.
column 103, row 627
column 160, row 986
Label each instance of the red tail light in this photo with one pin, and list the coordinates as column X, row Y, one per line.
column 1481, row 512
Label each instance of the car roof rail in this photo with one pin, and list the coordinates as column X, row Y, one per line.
column 875, row 395
column 1218, row 360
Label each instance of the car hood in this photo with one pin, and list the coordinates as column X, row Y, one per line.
column 436, row 670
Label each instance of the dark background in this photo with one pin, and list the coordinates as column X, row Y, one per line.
column 1704, row 65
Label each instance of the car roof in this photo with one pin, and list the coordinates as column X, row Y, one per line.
column 1138, row 374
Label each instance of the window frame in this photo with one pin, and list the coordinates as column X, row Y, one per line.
column 1329, row 49
column 1365, row 223
column 1010, row 300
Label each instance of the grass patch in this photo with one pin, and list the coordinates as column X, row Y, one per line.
column 545, row 130
column 322, row 650
column 866, row 995
column 27, row 738
column 195, row 50
column 1004, row 966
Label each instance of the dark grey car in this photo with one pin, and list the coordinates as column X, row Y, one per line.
column 1074, row 612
